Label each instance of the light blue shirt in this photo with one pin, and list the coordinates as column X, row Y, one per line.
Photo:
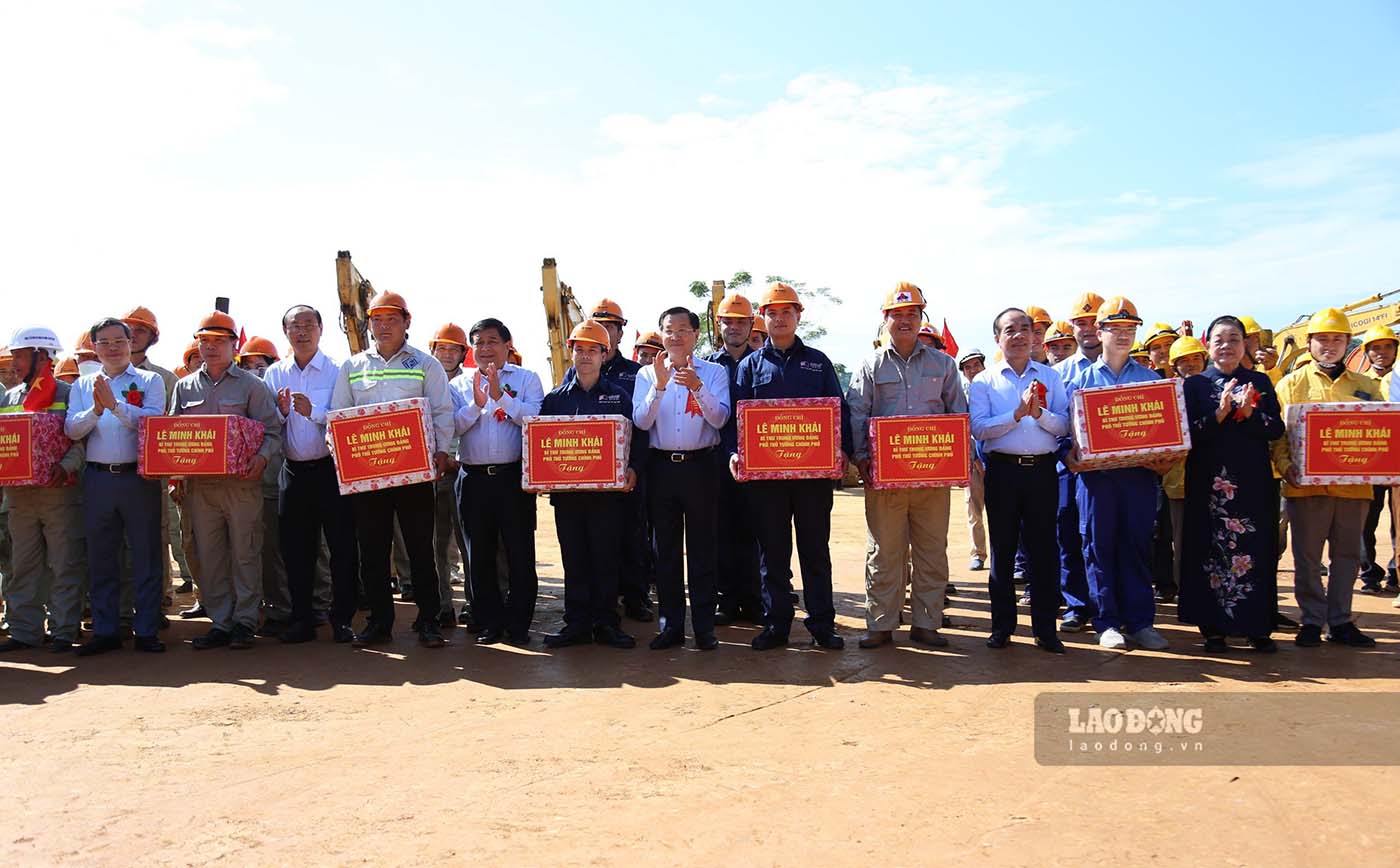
column 993, row 398
column 305, row 438
column 663, row 413
column 491, row 434
column 1072, row 366
column 113, row 437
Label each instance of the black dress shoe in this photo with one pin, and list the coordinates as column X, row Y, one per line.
column 447, row 621
column 518, row 638
column 725, row 617
column 751, row 613
column 1309, row 636
column 1283, row 622
column 185, row 587
column 1347, row 634
column 567, row 638
column 148, row 644
column 768, row 640
column 273, row 627
column 999, row 639
column 490, row 636
column 373, row 635
column 638, row 611
column 240, row 638
column 296, row 633
column 828, row 639
column 406, row 594
column 99, row 645
column 342, row 634
column 163, row 623
column 195, row 611
column 1050, row 643
column 60, row 646
column 609, row 635
column 429, row 636
column 1263, row 644
column 1216, row 645
column 666, row 639
column 215, row 638
column 706, row 641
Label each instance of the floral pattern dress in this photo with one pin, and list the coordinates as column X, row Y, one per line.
column 1229, row 564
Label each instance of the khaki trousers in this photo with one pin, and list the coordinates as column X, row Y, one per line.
column 227, row 518
column 900, row 522
column 973, row 495
column 46, row 532
column 1335, row 521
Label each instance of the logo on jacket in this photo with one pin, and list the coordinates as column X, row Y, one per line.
column 810, row 366
column 410, row 362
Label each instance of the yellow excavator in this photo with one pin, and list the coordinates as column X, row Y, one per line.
column 355, row 293
column 1383, row 308
column 561, row 314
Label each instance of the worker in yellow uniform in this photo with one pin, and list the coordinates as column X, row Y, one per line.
column 1041, row 323
column 1325, row 514
column 1187, row 358
column 1379, row 344
column 1158, row 345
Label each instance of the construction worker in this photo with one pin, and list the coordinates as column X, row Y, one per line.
column 120, row 508
column 1158, row 345
column 683, row 404
column 1074, row 584
column 45, row 525
column 1139, row 354
column 739, row 585
column 1118, row 507
column 589, row 523
column 492, row 401
column 393, row 370
column 255, row 356
column 788, row 368
column 1187, row 358
column 189, row 361
column 1330, row 514
column 645, row 349
column 1059, row 342
column 67, row 371
column 972, row 363
column 1379, row 344
column 8, row 378
column 449, row 346
column 86, row 356
column 1041, row 322
column 310, row 507
column 905, row 378
column 226, row 513
column 759, row 336
column 189, row 562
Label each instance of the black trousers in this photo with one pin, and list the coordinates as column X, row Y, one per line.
column 589, row 527
column 1370, row 570
column 740, row 585
column 637, row 564
column 1022, row 500
column 682, row 500
column 374, row 525
column 309, row 503
column 782, row 507
column 494, row 509
column 1162, row 549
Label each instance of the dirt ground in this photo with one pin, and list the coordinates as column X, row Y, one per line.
column 321, row 754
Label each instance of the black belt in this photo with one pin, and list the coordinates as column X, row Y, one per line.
column 1022, row 460
column 311, row 462
column 129, row 467
column 491, row 469
column 680, row 456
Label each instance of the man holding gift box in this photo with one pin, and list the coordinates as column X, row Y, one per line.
column 905, row 378
column 44, row 518
column 226, row 513
column 1118, row 508
column 1330, row 514
column 788, row 368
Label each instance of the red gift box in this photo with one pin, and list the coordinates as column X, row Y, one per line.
column 382, row 445
column 575, row 453
column 179, row 446
column 31, row 445
column 789, row 438
column 1345, row 443
column 920, row 451
column 1130, row 425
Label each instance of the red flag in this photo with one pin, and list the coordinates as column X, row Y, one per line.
column 242, row 337
column 950, row 346
column 41, row 389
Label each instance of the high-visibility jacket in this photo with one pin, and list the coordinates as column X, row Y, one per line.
column 1308, row 385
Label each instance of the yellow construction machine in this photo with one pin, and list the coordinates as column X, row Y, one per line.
column 561, row 314
column 355, row 293
column 1383, row 308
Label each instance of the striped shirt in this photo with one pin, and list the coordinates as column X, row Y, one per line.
column 369, row 378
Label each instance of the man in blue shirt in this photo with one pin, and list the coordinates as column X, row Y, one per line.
column 788, row 368
column 1118, row 508
column 589, row 523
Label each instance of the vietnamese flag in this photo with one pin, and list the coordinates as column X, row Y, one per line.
column 950, row 346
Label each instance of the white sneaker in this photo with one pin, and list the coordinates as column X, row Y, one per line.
column 1111, row 638
column 1395, row 603
column 1150, row 639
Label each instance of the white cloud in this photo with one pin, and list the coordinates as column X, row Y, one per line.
column 1321, row 162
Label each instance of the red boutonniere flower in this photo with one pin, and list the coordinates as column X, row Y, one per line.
column 134, row 396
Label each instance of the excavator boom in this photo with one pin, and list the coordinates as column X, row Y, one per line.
column 355, row 293
column 561, row 313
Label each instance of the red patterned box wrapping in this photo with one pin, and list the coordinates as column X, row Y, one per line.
column 1345, row 443
column 31, row 444
column 790, row 438
column 382, row 445
column 920, row 451
column 1130, row 425
column 179, row 446
column 575, row 453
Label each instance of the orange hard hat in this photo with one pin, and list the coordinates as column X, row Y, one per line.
column 449, row 334
column 650, row 339
column 1086, row 305
column 607, row 310
column 191, row 354
column 512, row 356
column 217, row 324
column 84, row 351
column 256, row 346
column 387, row 301
column 735, row 305
column 6, row 355
column 903, row 295
column 780, row 293
column 590, row 332
column 1060, row 331
column 1118, row 309
column 67, row 368
column 928, row 329
column 1039, row 315
column 760, row 326
column 144, row 317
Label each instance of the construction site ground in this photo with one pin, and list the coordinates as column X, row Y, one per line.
column 500, row 755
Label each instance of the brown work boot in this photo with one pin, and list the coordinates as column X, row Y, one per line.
column 927, row 636
column 876, row 638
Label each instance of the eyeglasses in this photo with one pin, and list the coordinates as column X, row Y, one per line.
column 106, row 343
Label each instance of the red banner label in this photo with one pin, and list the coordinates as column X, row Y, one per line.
column 1352, row 442
column 185, row 446
column 1140, row 416
column 796, row 439
column 379, row 445
column 573, row 453
column 16, row 449
column 914, row 451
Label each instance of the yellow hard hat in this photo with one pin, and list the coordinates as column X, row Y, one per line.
column 1185, row 346
column 1160, row 332
column 903, row 295
column 1060, row 331
column 1251, row 325
column 780, row 293
column 1329, row 321
column 1118, row 309
column 1086, row 305
column 1039, row 315
column 1138, row 350
column 735, row 306
column 1375, row 333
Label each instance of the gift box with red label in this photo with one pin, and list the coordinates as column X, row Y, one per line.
column 575, row 453
column 382, row 445
column 1130, row 425
column 789, row 438
column 1345, row 443
column 920, row 451
column 31, row 445
column 180, row 446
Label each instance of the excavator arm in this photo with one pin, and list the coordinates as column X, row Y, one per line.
column 561, row 313
column 355, row 293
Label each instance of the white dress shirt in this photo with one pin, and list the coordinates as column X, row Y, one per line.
column 994, row 396
column 664, row 413
column 305, row 438
column 113, row 437
column 491, row 434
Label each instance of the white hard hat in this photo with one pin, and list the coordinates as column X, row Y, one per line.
column 36, row 338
